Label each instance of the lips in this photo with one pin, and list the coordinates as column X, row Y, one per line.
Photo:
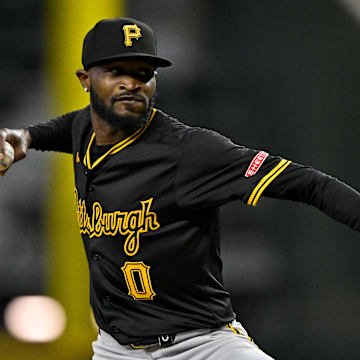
column 128, row 98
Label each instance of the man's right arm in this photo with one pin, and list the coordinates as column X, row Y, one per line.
column 52, row 135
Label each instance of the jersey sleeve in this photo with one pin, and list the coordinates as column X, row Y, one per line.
column 54, row 134
column 312, row 187
column 213, row 171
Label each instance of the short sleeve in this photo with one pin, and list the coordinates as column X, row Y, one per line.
column 213, row 171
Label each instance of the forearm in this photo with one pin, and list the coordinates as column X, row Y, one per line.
column 328, row 194
column 53, row 135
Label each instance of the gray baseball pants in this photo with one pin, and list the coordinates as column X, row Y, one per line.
column 228, row 342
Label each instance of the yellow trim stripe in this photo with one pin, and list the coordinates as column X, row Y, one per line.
column 236, row 331
column 87, row 155
column 135, row 135
column 119, row 146
column 228, row 326
column 266, row 180
column 141, row 346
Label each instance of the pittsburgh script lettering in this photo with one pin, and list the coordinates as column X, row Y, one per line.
column 128, row 223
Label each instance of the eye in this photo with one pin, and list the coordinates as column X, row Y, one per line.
column 145, row 75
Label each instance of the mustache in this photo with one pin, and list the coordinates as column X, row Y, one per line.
column 128, row 94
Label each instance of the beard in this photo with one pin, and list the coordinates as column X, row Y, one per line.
column 127, row 123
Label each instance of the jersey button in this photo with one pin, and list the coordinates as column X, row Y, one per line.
column 115, row 329
column 90, row 187
column 107, row 298
column 86, row 172
column 95, row 257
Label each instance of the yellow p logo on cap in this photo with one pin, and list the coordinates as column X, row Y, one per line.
column 131, row 32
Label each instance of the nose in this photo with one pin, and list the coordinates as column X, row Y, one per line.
column 129, row 83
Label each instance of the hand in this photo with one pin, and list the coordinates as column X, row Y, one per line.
column 20, row 140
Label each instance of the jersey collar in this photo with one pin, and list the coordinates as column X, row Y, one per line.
column 117, row 147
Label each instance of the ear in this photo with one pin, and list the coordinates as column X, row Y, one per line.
column 84, row 78
column 155, row 78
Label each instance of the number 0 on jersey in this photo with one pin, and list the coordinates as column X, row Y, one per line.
column 137, row 276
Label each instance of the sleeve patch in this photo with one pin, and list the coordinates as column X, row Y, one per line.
column 256, row 163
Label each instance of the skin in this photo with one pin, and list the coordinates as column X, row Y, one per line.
column 20, row 139
column 132, row 82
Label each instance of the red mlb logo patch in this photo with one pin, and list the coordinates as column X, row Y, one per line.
column 256, row 163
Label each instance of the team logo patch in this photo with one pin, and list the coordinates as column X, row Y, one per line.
column 131, row 32
column 256, row 163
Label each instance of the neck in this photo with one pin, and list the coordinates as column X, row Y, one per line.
column 105, row 134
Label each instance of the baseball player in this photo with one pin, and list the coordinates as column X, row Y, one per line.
column 148, row 190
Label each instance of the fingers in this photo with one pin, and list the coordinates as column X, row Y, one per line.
column 19, row 139
column 3, row 136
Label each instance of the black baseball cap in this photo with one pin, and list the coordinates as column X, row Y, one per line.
column 118, row 38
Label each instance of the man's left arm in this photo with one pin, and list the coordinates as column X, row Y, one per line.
column 328, row 194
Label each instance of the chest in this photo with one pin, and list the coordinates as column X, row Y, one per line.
column 127, row 180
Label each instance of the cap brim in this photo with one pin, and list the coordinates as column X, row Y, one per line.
column 154, row 60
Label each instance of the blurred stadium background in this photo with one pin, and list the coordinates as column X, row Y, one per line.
column 281, row 76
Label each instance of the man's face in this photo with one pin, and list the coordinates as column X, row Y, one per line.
column 122, row 92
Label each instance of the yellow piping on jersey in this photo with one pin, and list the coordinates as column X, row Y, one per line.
column 236, row 331
column 266, row 180
column 141, row 346
column 117, row 147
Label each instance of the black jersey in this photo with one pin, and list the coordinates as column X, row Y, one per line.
column 148, row 214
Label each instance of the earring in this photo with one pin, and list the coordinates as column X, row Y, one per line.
column 86, row 89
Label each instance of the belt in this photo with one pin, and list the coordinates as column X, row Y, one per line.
column 151, row 341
